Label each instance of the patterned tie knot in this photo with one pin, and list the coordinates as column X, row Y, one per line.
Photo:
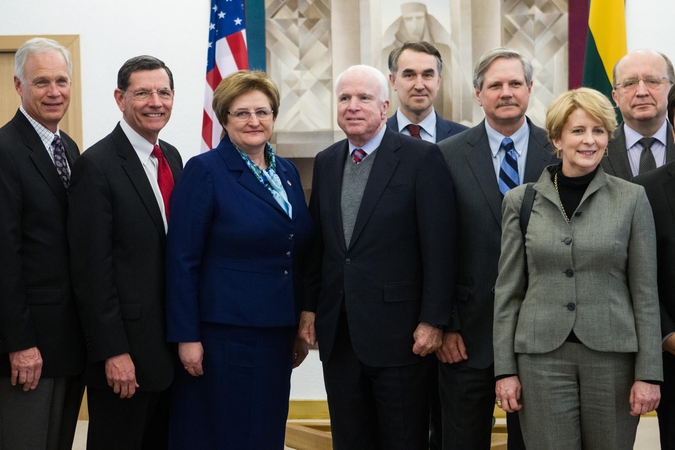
column 60, row 161
column 507, row 144
column 414, row 131
column 647, row 142
column 358, row 155
column 157, row 152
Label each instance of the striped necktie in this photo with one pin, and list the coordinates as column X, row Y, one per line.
column 358, row 155
column 508, row 171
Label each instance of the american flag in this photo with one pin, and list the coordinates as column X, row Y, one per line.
column 227, row 54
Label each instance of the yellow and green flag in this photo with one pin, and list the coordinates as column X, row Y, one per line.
column 605, row 43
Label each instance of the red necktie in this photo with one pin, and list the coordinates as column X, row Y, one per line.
column 358, row 155
column 414, row 131
column 164, row 178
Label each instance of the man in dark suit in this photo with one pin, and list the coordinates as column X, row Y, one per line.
column 415, row 74
column 117, row 231
column 645, row 140
column 660, row 187
column 502, row 83
column 381, row 273
column 41, row 346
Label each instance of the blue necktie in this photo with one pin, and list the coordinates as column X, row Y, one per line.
column 508, row 172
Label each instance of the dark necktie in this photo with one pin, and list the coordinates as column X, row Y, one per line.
column 508, row 171
column 358, row 155
column 60, row 161
column 414, row 131
column 164, row 178
column 647, row 161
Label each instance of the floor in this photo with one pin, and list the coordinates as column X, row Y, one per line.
column 647, row 435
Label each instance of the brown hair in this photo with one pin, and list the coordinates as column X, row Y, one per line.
column 240, row 83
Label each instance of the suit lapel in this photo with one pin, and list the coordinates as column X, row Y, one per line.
column 538, row 153
column 383, row 168
column 669, row 189
column 334, row 168
column 40, row 157
column 442, row 128
column 134, row 169
column 479, row 158
column 670, row 145
column 246, row 178
column 618, row 155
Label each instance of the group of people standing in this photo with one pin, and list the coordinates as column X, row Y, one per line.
column 439, row 268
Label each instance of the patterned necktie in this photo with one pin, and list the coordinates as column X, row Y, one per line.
column 508, row 172
column 164, row 178
column 415, row 131
column 358, row 155
column 60, row 161
column 647, row 161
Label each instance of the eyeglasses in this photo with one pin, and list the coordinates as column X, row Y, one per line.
column 144, row 94
column 244, row 115
column 631, row 84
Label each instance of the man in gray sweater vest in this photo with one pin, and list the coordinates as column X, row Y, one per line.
column 382, row 271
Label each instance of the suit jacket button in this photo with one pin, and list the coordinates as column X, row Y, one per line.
column 348, row 261
column 285, row 272
column 290, row 237
column 568, row 240
column 571, row 306
column 288, row 254
column 569, row 272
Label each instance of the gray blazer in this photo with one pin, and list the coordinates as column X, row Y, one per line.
column 617, row 163
column 479, row 202
column 595, row 275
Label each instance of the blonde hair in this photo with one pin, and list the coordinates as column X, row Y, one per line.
column 593, row 102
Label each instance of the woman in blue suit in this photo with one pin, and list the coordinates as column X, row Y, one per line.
column 238, row 235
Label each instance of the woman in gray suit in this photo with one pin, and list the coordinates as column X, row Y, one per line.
column 576, row 323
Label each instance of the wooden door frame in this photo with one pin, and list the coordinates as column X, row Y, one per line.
column 72, row 120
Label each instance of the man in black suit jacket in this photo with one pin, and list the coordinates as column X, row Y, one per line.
column 117, row 233
column 660, row 187
column 502, row 84
column 415, row 74
column 41, row 347
column 382, row 271
column 641, row 82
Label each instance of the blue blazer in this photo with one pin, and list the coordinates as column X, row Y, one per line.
column 233, row 255
column 444, row 128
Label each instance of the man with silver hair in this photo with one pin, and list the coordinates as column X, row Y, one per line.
column 41, row 345
column 485, row 161
column 381, row 273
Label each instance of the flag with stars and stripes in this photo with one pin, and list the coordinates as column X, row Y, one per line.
column 227, row 53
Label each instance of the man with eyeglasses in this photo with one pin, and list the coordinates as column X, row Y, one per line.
column 119, row 208
column 645, row 141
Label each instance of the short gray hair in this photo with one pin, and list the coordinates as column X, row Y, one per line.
column 370, row 72
column 496, row 53
column 36, row 46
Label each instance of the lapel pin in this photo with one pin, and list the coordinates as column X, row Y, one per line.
column 289, row 182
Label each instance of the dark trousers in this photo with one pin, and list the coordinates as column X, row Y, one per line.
column 137, row 423
column 468, row 401
column 373, row 408
column 43, row 418
column 666, row 409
